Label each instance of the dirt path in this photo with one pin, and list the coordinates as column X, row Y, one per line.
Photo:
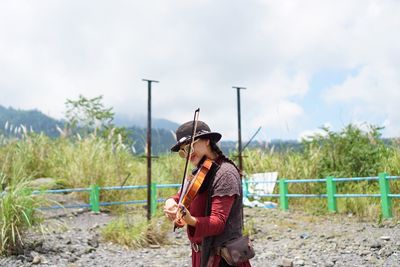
column 280, row 239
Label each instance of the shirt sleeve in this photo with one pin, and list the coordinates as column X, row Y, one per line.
column 215, row 223
column 228, row 183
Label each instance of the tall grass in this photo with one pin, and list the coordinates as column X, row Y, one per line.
column 105, row 161
column 17, row 214
column 349, row 153
column 80, row 162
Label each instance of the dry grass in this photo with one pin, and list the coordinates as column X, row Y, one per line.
column 135, row 231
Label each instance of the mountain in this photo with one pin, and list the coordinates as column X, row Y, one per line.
column 161, row 140
column 121, row 120
column 11, row 120
column 163, row 131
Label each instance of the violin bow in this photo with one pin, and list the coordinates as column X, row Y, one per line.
column 194, row 127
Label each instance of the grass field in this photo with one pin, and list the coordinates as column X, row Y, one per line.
column 80, row 162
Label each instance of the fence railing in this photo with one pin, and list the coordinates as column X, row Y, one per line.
column 331, row 195
column 94, row 196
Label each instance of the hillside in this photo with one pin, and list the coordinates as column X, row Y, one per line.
column 11, row 119
column 162, row 133
column 141, row 122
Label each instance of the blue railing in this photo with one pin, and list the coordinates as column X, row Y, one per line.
column 94, row 199
column 384, row 185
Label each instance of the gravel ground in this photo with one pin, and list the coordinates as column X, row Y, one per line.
column 280, row 239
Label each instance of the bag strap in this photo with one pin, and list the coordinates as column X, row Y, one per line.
column 241, row 203
column 207, row 241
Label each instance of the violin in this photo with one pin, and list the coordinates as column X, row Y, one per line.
column 191, row 185
column 191, row 188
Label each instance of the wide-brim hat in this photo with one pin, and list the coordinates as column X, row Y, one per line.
column 184, row 134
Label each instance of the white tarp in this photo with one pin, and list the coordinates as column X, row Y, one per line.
column 262, row 183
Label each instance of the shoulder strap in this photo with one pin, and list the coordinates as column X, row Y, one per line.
column 207, row 241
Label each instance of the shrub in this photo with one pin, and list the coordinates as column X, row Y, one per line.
column 17, row 213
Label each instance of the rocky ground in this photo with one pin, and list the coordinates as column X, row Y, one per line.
column 280, row 239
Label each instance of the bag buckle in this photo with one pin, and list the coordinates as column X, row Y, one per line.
column 195, row 247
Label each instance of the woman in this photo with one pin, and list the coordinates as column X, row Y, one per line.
column 221, row 191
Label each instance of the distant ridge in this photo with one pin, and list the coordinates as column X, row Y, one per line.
column 141, row 121
column 41, row 122
column 162, row 134
column 31, row 119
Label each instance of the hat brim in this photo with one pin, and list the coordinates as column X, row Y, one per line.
column 213, row 136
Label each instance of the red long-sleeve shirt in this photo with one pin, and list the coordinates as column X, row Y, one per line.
column 208, row 225
column 225, row 207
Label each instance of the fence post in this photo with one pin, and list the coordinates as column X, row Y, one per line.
column 386, row 201
column 153, row 204
column 95, row 198
column 283, row 191
column 331, row 191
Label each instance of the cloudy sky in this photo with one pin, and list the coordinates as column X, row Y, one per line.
column 305, row 63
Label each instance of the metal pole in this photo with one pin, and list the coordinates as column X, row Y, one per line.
column 239, row 127
column 251, row 139
column 149, row 202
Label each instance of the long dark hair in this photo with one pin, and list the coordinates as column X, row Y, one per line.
column 221, row 155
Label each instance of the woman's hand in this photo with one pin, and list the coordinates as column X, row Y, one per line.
column 186, row 216
column 170, row 209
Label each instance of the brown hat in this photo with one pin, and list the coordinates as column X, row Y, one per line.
column 184, row 134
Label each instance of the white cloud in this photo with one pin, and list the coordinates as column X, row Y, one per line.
column 372, row 95
column 54, row 50
column 308, row 134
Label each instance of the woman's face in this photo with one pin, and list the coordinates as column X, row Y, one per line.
column 199, row 150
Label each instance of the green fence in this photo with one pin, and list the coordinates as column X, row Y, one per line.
column 331, row 195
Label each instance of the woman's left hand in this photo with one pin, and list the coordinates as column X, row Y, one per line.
column 186, row 216
column 170, row 209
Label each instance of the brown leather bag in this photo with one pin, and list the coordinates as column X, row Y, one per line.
column 237, row 251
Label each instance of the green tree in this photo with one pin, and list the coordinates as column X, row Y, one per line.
column 351, row 152
column 88, row 114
